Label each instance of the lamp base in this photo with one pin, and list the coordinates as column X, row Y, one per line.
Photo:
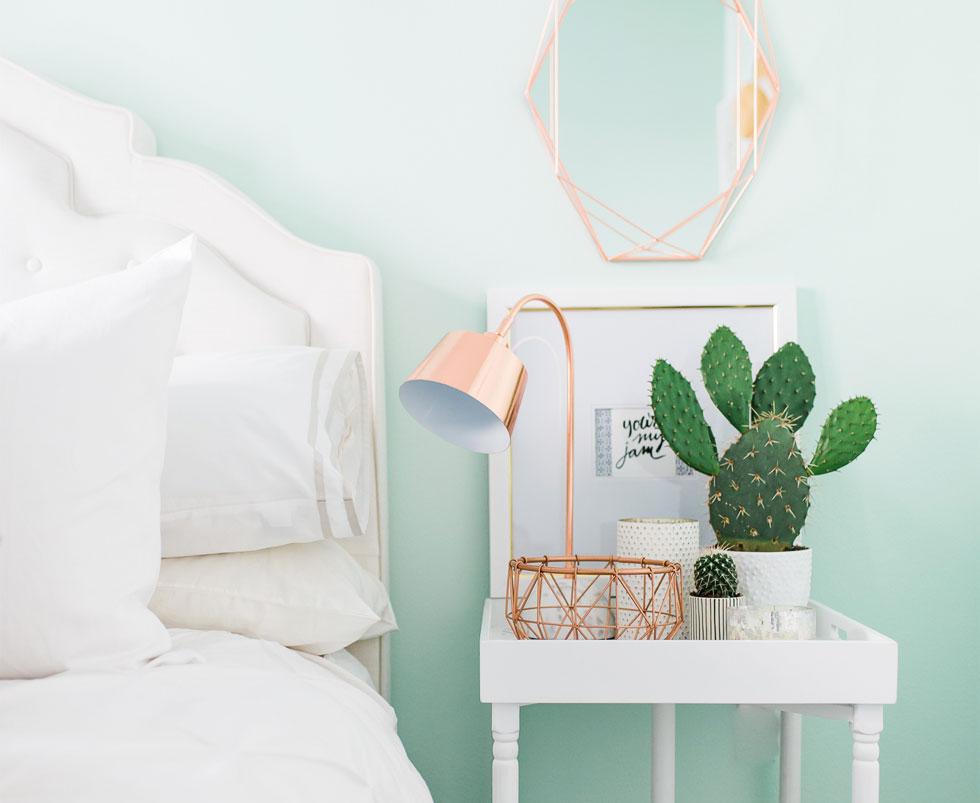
column 594, row 597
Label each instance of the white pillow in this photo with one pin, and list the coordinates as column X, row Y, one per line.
column 266, row 448
column 82, row 430
column 312, row 596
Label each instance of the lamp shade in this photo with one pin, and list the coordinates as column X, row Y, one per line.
column 467, row 391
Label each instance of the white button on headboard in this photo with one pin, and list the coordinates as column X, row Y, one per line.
column 33, row 265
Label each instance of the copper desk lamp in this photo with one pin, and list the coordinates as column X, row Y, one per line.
column 469, row 391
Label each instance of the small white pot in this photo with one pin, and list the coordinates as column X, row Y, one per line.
column 674, row 540
column 774, row 578
column 706, row 617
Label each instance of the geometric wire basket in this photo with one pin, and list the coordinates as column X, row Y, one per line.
column 594, row 597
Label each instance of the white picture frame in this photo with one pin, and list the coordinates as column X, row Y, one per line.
column 608, row 326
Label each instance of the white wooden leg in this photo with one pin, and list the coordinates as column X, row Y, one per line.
column 662, row 754
column 866, row 727
column 505, row 723
column 790, row 756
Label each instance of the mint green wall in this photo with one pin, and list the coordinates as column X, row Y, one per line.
column 398, row 129
column 666, row 136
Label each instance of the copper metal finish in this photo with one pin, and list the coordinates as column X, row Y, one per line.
column 480, row 366
column 502, row 331
column 571, row 596
column 755, row 102
column 594, row 597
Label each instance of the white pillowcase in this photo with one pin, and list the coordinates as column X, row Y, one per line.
column 265, row 448
column 82, row 431
column 311, row 596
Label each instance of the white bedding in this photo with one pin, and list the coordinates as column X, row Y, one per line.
column 220, row 718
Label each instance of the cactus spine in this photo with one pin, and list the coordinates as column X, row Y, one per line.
column 715, row 575
column 759, row 492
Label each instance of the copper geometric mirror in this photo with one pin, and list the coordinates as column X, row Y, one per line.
column 655, row 114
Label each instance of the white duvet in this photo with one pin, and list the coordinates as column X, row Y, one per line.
column 220, row 718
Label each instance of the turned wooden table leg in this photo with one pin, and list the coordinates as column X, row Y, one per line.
column 866, row 727
column 662, row 753
column 505, row 724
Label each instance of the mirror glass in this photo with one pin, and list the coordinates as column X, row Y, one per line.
column 654, row 113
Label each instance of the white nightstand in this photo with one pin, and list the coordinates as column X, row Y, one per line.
column 858, row 675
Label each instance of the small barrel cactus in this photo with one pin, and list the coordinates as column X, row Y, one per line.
column 715, row 575
column 759, row 493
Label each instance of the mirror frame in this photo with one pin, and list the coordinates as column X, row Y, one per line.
column 640, row 242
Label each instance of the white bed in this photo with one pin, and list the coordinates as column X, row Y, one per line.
column 251, row 720
column 209, row 731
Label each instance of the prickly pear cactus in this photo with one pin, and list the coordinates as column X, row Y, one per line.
column 785, row 384
column 681, row 419
column 715, row 575
column 760, row 498
column 845, row 434
column 727, row 374
column 759, row 493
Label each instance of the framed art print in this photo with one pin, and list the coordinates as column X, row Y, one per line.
column 623, row 466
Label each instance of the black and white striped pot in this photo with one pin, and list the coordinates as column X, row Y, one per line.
column 705, row 616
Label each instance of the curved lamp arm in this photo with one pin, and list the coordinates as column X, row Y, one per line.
column 502, row 331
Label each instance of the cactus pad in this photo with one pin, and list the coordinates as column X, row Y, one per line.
column 715, row 575
column 760, row 498
column 759, row 493
column 846, row 433
column 681, row 420
column 727, row 373
column 785, row 384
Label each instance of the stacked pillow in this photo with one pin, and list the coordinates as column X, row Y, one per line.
column 269, row 459
column 266, row 461
column 265, row 448
column 314, row 596
column 82, row 434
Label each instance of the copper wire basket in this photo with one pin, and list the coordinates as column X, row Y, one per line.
column 594, row 597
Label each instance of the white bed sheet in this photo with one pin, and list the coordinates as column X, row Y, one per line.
column 220, row 718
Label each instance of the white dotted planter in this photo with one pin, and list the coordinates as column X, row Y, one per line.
column 707, row 617
column 676, row 540
column 774, row 578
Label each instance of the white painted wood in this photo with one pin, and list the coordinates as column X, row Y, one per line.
column 781, row 299
column 856, row 664
column 862, row 668
column 790, row 756
column 506, row 727
column 663, row 753
column 866, row 727
column 115, row 171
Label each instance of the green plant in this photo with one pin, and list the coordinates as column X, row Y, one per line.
column 715, row 575
column 759, row 493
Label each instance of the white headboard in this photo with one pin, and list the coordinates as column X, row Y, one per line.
column 85, row 190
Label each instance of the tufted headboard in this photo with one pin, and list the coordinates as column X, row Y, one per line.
column 81, row 189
